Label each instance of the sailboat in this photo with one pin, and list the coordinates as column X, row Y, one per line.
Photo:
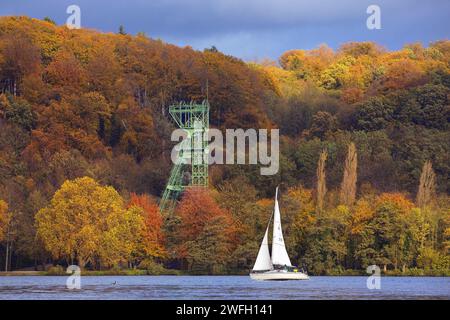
column 278, row 266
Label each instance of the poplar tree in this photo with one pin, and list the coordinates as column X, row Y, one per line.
column 321, row 179
column 427, row 185
column 348, row 185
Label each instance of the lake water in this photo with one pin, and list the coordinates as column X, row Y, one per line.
column 221, row 287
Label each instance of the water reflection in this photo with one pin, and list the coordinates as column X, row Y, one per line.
column 217, row 287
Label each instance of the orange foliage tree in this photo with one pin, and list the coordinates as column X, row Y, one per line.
column 206, row 233
column 153, row 236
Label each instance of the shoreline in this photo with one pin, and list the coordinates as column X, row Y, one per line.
column 131, row 273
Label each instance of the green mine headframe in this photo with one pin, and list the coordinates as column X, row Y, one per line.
column 191, row 170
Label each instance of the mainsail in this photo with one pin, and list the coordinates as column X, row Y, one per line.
column 263, row 261
column 279, row 253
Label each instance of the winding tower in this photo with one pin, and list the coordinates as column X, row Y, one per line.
column 191, row 169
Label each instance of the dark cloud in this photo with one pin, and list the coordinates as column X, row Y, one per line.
column 253, row 28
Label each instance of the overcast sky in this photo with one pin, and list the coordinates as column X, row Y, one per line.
column 253, row 29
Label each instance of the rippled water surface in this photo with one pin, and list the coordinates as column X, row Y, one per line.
column 222, row 287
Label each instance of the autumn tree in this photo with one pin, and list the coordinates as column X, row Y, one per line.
column 388, row 229
column 348, row 185
column 4, row 218
column 334, row 227
column 122, row 239
column 153, row 237
column 401, row 74
column 6, row 233
column 299, row 221
column 66, row 72
column 250, row 215
column 427, row 185
column 103, row 71
column 207, row 233
column 89, row 223
column 357, row 49
column 307, row 64
column 239, row 197
column 20, row 57
column 363, row 212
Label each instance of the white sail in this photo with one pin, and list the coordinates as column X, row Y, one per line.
column 263, row 261
column 279, row 253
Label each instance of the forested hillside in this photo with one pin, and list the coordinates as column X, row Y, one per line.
column 85, row 153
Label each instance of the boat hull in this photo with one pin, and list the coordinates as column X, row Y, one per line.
column 279, row 276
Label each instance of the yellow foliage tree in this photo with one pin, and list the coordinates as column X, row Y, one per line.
column 4, row 218
column 305, row 215
column 362, row 213
column 397, row 200
column 88, row 222
column 123, row 240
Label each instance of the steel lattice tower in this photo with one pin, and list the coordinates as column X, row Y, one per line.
column 194, row 120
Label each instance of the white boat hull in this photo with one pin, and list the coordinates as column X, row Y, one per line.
column 279, row 275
